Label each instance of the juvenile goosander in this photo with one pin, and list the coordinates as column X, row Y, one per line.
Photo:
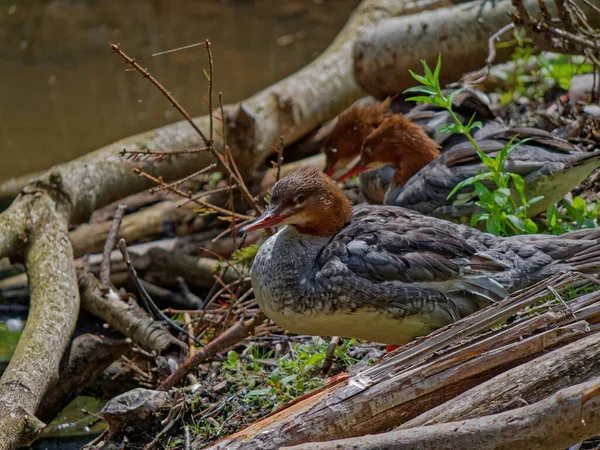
column 424, row 176
column 357, row 122
column 389, row 274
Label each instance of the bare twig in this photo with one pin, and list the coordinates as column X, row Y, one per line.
column 279, row 158
column 175, row 184
column 145, row 297
column 117, row 49
column 210, row 87
column 110, row 245
column 335, row 341
column 234, row 334
column 188, row 195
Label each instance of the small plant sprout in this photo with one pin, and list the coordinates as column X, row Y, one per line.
column 501, row 213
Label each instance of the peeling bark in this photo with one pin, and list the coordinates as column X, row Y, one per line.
column 569, row 416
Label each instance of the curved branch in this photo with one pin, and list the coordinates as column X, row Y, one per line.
column 54, row 308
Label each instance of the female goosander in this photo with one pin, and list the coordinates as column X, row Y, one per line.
column 389, row 274
column 357, row 122
column 424, row 177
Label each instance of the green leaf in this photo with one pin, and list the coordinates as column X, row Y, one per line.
column 421, row 99
column 501, row 196
column 490, row 163
column 438, row 69
column 259, row 392
column 421, row 79
column 232, row 357
column 483, row 193
column 531, row 226
column 479, row 217
column 449, row 128
column 533, row 200
column 421, row 89
column 427, row 71
column 494, row 224
column 469, row 181
column 579, row 204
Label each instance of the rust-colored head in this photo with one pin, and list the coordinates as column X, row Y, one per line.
column 352, row 128
column 308, row 200
column 397, row 142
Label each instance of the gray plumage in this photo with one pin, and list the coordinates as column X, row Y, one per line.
column 392, row 274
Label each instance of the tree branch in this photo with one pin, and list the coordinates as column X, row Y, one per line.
column 555, row 423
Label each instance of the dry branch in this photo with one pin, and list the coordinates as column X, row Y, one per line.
column 127, row 318
column 566, row 418
column 88, row 357
column 54, row 308
column 233, row 335
column 384, row 53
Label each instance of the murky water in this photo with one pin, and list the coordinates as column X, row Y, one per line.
column 62, row 92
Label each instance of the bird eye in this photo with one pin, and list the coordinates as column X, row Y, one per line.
column 333, row 150
column 298, row 199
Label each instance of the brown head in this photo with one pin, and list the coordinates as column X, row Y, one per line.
column 308, row 200
column 352, row 128
column 397, row 142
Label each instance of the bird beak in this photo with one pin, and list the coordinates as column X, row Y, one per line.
column 357, row 168
column 329, row 170
column 271, row 217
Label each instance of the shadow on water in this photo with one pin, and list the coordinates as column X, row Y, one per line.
column 63, row 93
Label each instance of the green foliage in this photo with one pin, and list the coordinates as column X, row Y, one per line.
column 534, row 75
column 574, row 216
column 245, row 256
column 501, row 214
column 295, row 374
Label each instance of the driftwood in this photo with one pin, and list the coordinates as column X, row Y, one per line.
column 428, row 372
column 89, row 355
column 567, row 417
column 128, row 318
column 381, row 59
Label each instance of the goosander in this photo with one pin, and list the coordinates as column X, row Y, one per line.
column 357, row 122
column 388, row 274
column 424, row 176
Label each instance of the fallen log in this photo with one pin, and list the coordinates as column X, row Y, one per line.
column 566, row 418
column 88, row 357
column 384, row 53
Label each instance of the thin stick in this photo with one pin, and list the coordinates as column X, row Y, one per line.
column 116, row 48
column 188, row 195
column 170, row 186
column 109, row 246
column 279, row 158
column 149, row 304
column 210, row 86
column 136, row 153
column 231, row 336
column 328, row 361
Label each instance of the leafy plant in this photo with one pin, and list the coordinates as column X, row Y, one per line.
column 576, row 215
column 501, row 214
column 245, row 256
column 535, row 74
